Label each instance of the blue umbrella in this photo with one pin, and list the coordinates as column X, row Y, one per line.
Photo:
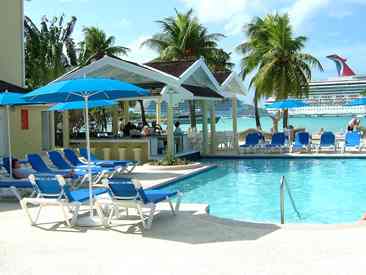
column 8, row 99
column 357, row 102
column 86, row 89
column 79, row 105
column 287, row 104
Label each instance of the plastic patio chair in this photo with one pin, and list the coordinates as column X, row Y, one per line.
column 127, row 193
column 53, row 191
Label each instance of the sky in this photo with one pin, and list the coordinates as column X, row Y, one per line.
column 331, row 26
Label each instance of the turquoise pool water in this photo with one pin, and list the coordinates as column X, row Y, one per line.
column 325, row 190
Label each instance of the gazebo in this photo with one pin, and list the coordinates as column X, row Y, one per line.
column 172, row 82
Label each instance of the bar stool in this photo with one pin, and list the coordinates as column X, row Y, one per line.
column 106, row 153
column 122, row 153
column 137, row 154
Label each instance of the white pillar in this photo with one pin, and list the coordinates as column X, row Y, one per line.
column 213, row 128
column 235, row 123
column 204, row 127
column 53, row 130
column 158, row 111
column 170, row 128
column 126, row 114
column 66, row 129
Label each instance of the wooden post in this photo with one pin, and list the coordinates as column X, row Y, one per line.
column 213, row 128
column 126, row 114
column 158, row 111
column 235, row 124
column 204, row 127
column 115, row 120
column 170, row 128
column 66, row 129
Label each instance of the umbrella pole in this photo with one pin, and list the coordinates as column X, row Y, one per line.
column 88, row 152
column 9, row 142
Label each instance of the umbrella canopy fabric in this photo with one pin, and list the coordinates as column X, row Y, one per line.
column 357, row 102
column 79, row 105
column 10, row 98
column 87, row 89
column 90, row 88
column 287, row 104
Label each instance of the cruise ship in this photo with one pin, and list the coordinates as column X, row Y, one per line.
column 330, row 97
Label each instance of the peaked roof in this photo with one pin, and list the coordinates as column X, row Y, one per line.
column 6, row 86
column 221, row 76
column 175, row 68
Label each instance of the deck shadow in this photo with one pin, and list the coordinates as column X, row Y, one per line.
column 189, row 228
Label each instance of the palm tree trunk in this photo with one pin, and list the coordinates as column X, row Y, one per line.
column 256, row 113
column 143, row 116
column 192, row 113
column 285, row 119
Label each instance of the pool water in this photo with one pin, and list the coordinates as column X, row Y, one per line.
column 324, row 190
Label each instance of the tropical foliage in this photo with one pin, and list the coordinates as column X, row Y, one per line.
column 183, row 37
column 281, row 68
column 49, row 49
column 96, row 44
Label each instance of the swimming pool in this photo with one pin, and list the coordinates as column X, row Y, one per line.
column 325, row 190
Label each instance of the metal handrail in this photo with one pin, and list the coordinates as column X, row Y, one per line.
column 283, row 187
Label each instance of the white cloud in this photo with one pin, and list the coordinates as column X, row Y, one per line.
column 233, row 13
column 138, row 53
column 125, row 22
column 302, row 10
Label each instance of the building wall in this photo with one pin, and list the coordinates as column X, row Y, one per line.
column 11, row 46
column 30, row 140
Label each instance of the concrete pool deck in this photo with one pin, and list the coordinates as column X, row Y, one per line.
column 153, row 178
column 190, row 243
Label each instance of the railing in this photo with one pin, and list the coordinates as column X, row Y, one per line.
column 284, row 187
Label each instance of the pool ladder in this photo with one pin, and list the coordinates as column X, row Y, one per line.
column 283, row 188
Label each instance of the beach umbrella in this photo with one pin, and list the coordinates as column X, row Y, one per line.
column 287, row 104
column 357, row 102
column 80, row 105
column 86, row 89
column 8, row 99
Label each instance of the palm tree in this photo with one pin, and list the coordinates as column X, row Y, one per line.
column 49, row 50
column 283, row 70
column 182, row 37
column 252, row 51
column 96, row 44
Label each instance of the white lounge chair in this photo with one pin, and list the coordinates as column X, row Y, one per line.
column 53, row 191
column 127, row 193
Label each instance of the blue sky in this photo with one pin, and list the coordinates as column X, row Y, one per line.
column 332, row 26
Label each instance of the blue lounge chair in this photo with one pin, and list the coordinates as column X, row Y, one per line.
column 128, row 193
column 14, row 184
column 81, row 171
column 251, row 140
column 352, row 140
column 54, row 191
column 41, row 167
column 128, row 165
column 59, row 162
column 278, row 141
column 302, row 141
column 327, row 141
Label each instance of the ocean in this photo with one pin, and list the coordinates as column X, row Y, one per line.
column 312, row 124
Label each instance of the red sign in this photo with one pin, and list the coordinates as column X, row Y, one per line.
column 25, row 119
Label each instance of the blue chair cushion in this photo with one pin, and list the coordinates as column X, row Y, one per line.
column 82, row 195
column 155, row 196
column 15, row 183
